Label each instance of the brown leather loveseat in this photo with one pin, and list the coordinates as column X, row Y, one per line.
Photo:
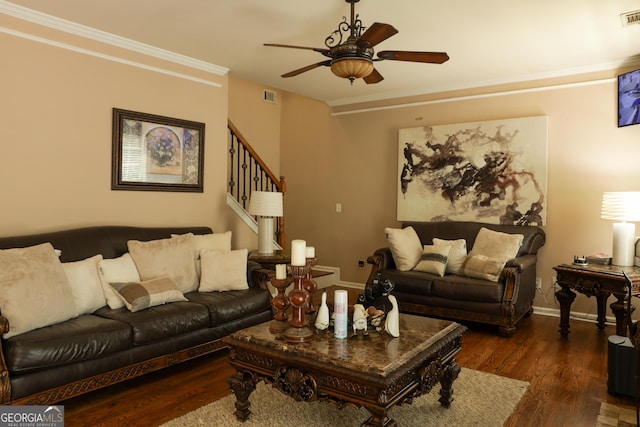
column 91, row 351
column 503, row 302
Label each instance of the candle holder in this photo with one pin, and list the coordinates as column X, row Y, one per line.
column 280, row 304
column 310, row 285
column 299, row 329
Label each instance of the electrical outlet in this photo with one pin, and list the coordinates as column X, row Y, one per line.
column 361, row 263
column 539, row 283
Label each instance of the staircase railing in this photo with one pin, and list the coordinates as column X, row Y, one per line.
column 248, row 172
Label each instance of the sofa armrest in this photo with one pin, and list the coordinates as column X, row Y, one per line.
column 5, row 384
column 380, row 260
column 258, row 277
column 522, row 262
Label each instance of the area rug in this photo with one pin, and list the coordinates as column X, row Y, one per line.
column 616, row 416
column 481, row 399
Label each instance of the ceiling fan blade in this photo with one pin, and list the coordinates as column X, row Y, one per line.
column 316, row 49
column 402, row 55
column 377, row 33
column 307, row 68
column 374, row 77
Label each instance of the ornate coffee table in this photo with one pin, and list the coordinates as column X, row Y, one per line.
column 376, row 372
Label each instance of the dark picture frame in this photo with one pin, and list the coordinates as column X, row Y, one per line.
column 156, row 153
column 629, row 98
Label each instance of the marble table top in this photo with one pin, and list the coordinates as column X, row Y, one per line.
column 378, row 354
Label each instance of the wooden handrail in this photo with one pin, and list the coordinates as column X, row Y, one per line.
column 277, row 183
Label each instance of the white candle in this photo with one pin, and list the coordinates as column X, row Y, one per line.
column 310, row 252
column 281, row 271
column 340, row 308
column 298, row 252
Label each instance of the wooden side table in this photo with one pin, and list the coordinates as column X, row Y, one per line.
column 271, row 260
column 599, row 281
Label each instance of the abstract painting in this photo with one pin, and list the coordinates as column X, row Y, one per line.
column 492, row 171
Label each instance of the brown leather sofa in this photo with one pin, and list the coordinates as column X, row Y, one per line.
column 92, row 351
column 456, row 297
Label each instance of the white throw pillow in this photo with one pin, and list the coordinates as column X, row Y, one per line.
column 116, row 270
column 149, row 293
column 434, row 259
column 173, row 257
column 497, row 245
column 34, row 290
column 223, row 270
column 85, row 283
column 405, row 247
column 457, row 254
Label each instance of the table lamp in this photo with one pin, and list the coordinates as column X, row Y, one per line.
column 265, row 205
column 624, row 207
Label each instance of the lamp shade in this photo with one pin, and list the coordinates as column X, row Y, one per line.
column 621, row 206
column 265, row 203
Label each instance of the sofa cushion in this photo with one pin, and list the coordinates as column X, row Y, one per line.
column 215, row 241
column 173, row 257
column 232, row 305
column 467, row 289
column 116, row 270
column 415, row 282
column 82, row 338
column 148, row 293
column 85, row 284
column 160, row 322
column 434, row 259
column 457, row 254
column 34, row 290
column 223, row 270
column 405, row 246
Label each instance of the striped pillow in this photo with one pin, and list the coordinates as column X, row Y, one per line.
column 140, row 295
column 434, row 259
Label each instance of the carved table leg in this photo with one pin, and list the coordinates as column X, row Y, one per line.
column 242, row 385
column 378, row 418
column 602, row 309
column 619, row 309
column 449, row 375
column 565, row 298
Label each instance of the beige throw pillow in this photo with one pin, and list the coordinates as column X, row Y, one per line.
column 457, row 254
column 494, row 244
column 171, row 257
column 140, row 295
column 34, row 290
column 483, row 267
column 116, row 270
column 434, row 259
column 215, row 241
column 223, row 270
column 85, row 283
column 405, row 247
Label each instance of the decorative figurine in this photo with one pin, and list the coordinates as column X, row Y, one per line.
column 359, row 318
column 322, row 318
column 392, row 323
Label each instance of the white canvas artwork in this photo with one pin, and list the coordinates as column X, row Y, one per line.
column 494, row 172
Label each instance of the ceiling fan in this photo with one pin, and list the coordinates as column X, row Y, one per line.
column 352, row 58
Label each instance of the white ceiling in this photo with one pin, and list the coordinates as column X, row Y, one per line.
column 489, row 42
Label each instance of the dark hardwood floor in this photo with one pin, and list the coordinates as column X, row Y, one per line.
column 567, row 376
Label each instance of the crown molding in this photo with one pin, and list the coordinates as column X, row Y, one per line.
column 49, row 21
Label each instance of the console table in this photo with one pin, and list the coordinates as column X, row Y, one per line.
column 599, row 281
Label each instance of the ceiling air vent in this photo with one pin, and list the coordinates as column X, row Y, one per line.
column 629, row 18
column 270, row 96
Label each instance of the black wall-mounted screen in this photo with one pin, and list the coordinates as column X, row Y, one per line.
column 629, row 98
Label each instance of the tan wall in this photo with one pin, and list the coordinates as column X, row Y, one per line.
column 353, row 160
column 56, row 141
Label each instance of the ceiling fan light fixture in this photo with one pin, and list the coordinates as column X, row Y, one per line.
column 351, row 68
